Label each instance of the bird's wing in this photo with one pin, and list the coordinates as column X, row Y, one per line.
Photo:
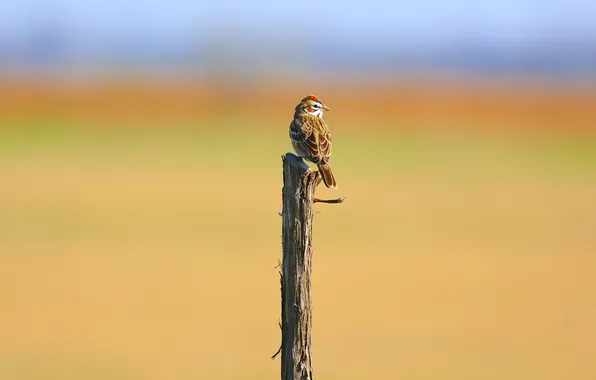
column 312, row 135
column 324, row 139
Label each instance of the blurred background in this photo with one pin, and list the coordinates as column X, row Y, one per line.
column 140, row 146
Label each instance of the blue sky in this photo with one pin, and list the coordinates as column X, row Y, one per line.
column 423, row 20
column 351, row 27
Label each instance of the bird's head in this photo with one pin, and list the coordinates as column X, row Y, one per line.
column 311, row 105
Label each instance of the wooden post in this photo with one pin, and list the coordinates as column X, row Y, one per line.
column 296, row 313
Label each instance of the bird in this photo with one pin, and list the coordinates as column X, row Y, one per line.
column 311, row 138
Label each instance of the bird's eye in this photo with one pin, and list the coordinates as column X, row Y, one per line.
column 315, row 105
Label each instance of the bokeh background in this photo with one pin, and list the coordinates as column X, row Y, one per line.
column 140, row 146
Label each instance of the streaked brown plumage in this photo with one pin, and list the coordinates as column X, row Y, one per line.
column 311, row 138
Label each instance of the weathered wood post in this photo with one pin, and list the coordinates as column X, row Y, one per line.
column 296, row 313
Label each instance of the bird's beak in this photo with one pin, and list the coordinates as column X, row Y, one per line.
column 326, row 108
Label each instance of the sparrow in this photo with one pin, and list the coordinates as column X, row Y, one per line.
column 311, row 138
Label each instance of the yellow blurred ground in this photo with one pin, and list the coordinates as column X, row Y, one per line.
column 152, row 256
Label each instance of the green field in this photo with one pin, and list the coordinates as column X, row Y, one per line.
column 151, row 255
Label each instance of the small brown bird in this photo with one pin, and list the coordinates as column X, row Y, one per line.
column 311, row 138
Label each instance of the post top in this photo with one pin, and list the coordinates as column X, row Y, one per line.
column 296, row 161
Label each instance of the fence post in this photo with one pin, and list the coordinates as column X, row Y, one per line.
column 296, row 313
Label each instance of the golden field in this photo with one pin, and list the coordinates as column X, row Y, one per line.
column 130, row 253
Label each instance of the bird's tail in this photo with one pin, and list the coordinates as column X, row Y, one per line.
column 327, row 175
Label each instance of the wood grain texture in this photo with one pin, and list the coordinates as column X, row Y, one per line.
column 298, row 199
